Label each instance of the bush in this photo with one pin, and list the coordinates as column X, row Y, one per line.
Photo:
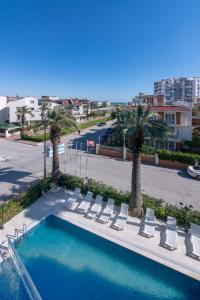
column 161, row 208
column 71, row 182
column 188, row 158
column 16, row 205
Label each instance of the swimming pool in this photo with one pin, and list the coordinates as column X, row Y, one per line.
column 11, row 286
column 68, row 262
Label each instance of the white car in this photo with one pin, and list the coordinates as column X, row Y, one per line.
column 194, row 171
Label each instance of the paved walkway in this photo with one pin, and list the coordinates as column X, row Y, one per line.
column 129, row 238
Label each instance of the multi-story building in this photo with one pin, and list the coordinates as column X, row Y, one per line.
column 9, row 110
column 149, row 99
column 179, row 119
column 178, row 89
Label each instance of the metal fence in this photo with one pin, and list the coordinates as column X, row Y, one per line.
column 28, row 283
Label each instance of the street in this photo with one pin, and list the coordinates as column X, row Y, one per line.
column 25, row 164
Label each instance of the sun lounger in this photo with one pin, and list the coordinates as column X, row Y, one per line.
column 195, row 239
column 96, row 207
column 83, row 207
column 171, row 236
column 107, row 212
column 69, row 203
column 149, row 223
column 120, row 223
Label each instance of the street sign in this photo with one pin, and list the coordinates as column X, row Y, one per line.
column 61, row 150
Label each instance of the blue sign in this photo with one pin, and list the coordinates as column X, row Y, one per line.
column 61, row 150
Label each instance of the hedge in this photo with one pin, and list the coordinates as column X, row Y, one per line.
column 188, row 158
column 40, row 137
column 23, row 200
column 162, row 209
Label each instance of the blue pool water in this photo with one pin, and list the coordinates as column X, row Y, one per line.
column 11, row 286
column 67, row 262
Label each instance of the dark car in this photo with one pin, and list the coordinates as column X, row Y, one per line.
column 101, row 124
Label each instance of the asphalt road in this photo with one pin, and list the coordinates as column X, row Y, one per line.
column 25, row 163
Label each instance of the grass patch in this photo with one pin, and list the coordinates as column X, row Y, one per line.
column 16, row 205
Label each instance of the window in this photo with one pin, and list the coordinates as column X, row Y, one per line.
column 170, row 118
column 18, row 117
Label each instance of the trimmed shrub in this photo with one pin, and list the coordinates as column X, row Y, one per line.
column 188, row 158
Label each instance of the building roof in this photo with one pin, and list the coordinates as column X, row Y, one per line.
column 170, row 108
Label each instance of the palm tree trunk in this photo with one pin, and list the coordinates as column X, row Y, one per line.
column 23, row 123
column 136, row 197
column 55, row 165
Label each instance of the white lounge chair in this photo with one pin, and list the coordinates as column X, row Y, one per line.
column 107, row 212
column 69, row 203
column 171, row 236
column 96, row 207
column 195, row 239
column 83, row 207
column 149, row 223
column 120, row 223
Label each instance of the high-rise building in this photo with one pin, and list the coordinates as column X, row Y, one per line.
column 178, row 89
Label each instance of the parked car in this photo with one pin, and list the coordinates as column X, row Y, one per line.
column 194, row 171
column 101, row 124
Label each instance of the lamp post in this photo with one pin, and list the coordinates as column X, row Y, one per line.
column 187, row 209
column 124, row 144
column 45, row 142
column 1, row 204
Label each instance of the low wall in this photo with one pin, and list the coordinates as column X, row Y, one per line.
column 146, row 159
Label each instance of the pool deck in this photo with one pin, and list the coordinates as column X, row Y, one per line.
column 53, row 203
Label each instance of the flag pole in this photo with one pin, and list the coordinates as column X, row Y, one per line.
column 76, row 158
column 80, row 157
column 87, row 160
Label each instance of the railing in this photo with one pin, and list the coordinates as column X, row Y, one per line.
column 28, row 283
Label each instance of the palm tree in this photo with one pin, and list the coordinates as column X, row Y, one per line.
column 57, row 119
column 139, row 124
column 23, row 111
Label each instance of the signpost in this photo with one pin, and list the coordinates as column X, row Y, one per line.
column 61, row 150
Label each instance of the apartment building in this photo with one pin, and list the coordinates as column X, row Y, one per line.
column 178, row 89
column 149, row 99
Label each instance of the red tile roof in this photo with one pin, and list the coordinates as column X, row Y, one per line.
column 170, row 108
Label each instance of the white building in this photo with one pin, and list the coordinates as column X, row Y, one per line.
column 178, row 89
column 11, row 110
column 3, row 109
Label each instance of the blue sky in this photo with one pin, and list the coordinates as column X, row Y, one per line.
column 100, row 49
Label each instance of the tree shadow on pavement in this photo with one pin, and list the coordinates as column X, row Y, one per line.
column 184, row 174
column 7, row 175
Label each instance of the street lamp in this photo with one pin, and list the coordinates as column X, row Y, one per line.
column 1, row 204
column 45, row 141
column 124, row 144
column 187, row 209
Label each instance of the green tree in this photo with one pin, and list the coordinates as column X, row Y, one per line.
column 22, row 112
column 139, row 124
column 58, row 119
